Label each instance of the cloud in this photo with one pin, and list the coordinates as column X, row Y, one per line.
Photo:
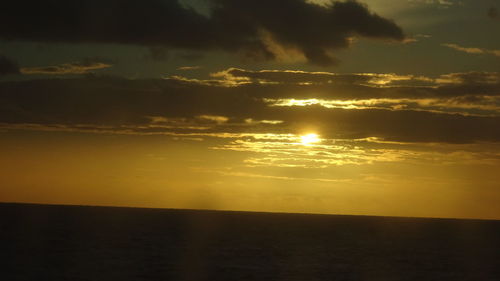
column 314, row 30
column 83, row 67
column 304, row 77
column 473, row 50
column 252, row 28
column 303, row 85
column 8, row 66
column 467, row 106
column 290, row 153
column 444, row 3
column 186, row 68
column 213, row 119
column 471, row 78
column 187, row 109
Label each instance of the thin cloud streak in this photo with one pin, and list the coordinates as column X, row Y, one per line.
column 473, row 50
column 66, row 68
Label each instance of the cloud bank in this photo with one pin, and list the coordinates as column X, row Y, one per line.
column 452, row 108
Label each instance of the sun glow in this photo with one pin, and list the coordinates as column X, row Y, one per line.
column 309, row 139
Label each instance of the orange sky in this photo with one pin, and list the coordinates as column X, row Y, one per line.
column 342, row 107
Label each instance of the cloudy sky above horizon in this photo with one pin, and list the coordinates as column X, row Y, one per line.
column 341, row 107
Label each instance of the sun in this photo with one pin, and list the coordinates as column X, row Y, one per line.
column 309, row 139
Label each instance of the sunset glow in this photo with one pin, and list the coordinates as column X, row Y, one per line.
column 375, row 107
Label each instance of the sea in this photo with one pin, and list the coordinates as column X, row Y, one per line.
column 77, row 243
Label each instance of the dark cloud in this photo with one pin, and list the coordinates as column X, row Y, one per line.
column 110, row 21
column 250, row 27
column 469, row 84
column 109, row 100
column 8, row 66
column 169, row 106
column 312, row 29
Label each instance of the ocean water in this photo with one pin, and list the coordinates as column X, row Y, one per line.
column 40, row 242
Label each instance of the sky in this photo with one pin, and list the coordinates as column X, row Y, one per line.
column 378, row 107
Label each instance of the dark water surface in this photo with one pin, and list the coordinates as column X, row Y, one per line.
column 98, row 243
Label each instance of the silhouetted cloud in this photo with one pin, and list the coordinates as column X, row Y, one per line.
column 8, row 66
column 254, row 28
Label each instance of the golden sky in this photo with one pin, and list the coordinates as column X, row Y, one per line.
column 338, row 107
